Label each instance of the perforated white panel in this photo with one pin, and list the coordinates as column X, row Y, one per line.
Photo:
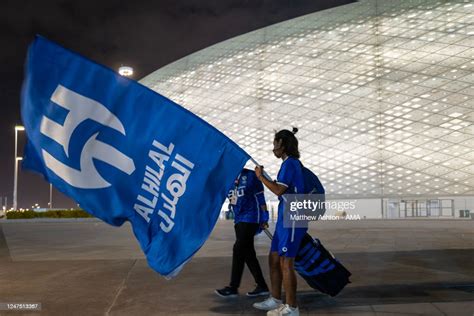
column 382, row 91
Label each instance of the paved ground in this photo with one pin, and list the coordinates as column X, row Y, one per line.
column 400, row 267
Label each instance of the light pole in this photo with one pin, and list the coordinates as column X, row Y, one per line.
column 15, row 177
column 17, row 160
column 50, row 196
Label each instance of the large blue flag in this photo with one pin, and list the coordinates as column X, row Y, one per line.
column 124, row 152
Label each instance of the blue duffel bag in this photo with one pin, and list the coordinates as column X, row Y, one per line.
column 320, row 269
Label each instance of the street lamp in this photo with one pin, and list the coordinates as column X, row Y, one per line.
column 15, row 177
column 125, row 71
column 17, row 160
column 50, row 196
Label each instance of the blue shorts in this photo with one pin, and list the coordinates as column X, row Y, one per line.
column 286, row 241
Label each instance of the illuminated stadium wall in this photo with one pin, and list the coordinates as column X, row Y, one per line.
column 382, row 91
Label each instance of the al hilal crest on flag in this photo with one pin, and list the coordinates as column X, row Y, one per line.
column 124, row 152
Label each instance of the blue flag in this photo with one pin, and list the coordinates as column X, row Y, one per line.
column 124, row 152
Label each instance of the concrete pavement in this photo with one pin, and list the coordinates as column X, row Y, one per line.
column 400, row 267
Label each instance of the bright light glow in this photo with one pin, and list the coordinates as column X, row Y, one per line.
column 125, row 71
column 19, row 128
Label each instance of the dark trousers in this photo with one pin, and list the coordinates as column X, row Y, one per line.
column 244, row 253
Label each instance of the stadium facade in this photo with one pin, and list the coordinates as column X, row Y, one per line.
column 382, row 92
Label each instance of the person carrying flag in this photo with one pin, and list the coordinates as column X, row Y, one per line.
column 286, row 240
column 247, row 201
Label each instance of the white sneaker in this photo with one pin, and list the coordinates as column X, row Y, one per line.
column 268, row 304
column 284, row 310
column 276, row 311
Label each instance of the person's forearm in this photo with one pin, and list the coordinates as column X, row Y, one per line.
column 272, row 186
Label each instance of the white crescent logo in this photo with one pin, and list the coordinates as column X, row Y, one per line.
column 80, row 109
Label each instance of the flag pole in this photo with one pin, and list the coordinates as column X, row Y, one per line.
column 268, row 233
column 265, row 174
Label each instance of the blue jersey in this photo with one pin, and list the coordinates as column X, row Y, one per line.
column 291, row 176
column 246, row 199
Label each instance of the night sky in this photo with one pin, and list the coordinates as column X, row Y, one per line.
column 143, row 34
